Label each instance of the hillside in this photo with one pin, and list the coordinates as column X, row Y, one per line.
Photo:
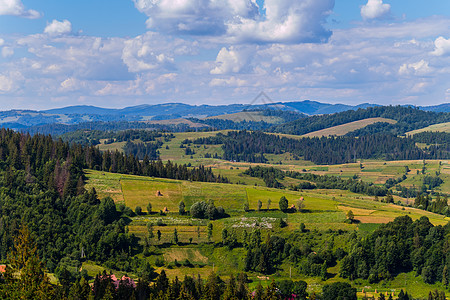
column 199, row 213
column 407, row 118
column 441, row 127
column 348, row 127
column 322, row 210
column 248, row 116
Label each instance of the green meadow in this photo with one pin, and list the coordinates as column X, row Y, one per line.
column 323, row 210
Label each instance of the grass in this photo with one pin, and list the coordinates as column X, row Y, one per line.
column 348, row 127
column 441, row 127
column 323, row 210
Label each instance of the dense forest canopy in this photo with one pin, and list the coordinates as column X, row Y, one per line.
column 408, row 118
column 251, row 147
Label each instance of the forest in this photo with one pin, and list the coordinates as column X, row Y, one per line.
column 251, row 147
column 408, row 118
column 400, row 246
column 42, row 184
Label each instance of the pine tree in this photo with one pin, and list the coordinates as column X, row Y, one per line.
column 25, row 278
column 323, row 271
column 271, row 292
column 210, row 231
column 445, row 276
column 259, row 293
column 175, row 236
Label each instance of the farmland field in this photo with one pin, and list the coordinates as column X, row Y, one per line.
column 348, row 127
column 324, row 213
column 441, row 127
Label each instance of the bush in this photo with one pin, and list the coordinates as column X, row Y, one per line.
column 203, row 210
column 138, row 210
column 159, row 262
column 339, row 290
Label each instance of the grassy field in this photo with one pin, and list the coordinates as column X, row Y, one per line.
column 323, row 210
column 441, row 127
column 321, row 206
column 348, row 127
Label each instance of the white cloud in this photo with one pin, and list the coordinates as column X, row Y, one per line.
column 442, row 46
column 58, row 28
column 419, row 68
column 231, row 61
column 286, row 21
column 372, row 61
column 2, row 41
column 6, row 84
column 7, row 51
column 70, row 84
column 240, row 20
column 230, row 82
column 375, row 9
column 16, row 8
column 152, row 51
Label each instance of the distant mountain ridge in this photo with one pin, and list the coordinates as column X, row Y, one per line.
column 20, row 119
column 186, row 110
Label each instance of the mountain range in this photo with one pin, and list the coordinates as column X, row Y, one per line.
column 20, row 119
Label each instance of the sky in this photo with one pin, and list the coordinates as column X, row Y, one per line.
column 120, row 53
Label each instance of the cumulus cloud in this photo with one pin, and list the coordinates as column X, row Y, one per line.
column 228, row 82
column 231, row 61
column 2, row 41
column 442, row 46
column 152, row 51
column 286, row 21
column 375, row 9
column 419, row 68
column 58, row 28
column 283, row 20
column 16, row 8
column 71, row 84
column 6, row 84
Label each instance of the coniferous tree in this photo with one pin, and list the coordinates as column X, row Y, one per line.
column 25, row 277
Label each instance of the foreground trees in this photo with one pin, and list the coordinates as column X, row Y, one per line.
column 25, row 277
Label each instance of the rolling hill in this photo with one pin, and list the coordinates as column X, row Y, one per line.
column 441, row 127
column 348, row 127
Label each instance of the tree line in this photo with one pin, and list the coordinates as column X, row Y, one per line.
column 408, row 118
column 251, row 147
column 402, row 245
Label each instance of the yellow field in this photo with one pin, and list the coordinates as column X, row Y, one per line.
column 348, row 127
column 441, row 127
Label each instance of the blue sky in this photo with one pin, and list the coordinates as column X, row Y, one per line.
column 129, row 52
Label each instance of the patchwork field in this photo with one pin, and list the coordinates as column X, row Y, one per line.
column 323, row 210
column 320, row 206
